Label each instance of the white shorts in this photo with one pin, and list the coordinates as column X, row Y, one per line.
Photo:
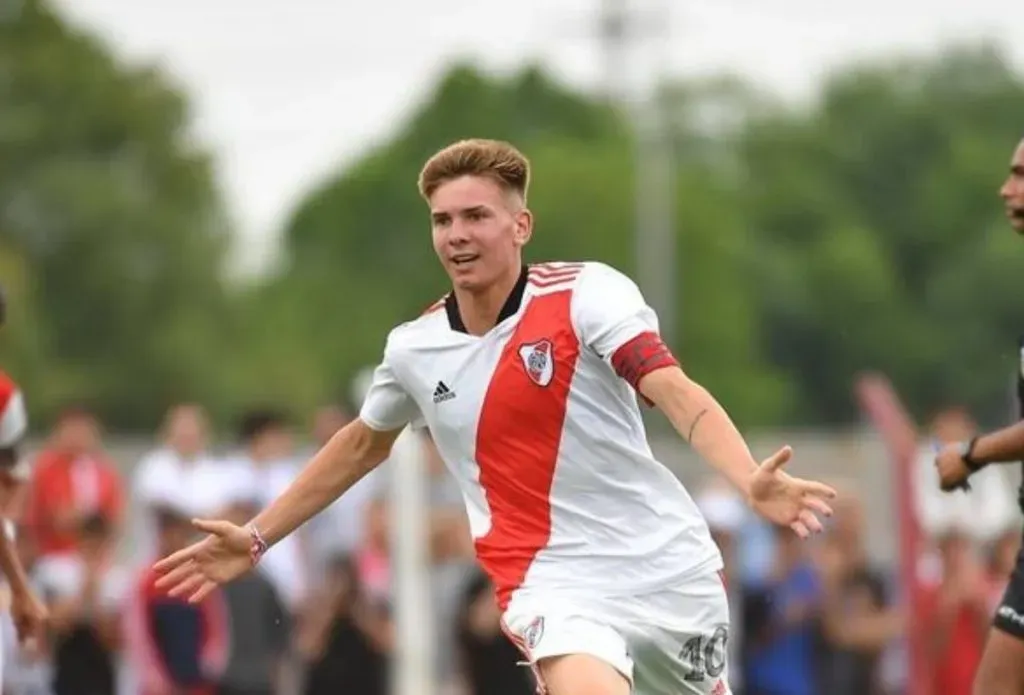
column 669, row 642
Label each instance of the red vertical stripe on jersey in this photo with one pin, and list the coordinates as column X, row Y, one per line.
column 518, row 438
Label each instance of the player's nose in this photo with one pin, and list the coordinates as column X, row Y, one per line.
column 458, row 234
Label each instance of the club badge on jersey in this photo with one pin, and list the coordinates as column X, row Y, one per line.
column 539, row 362
column 533, row 632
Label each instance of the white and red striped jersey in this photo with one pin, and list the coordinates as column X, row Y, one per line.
column 545, row 440
column 13, row 421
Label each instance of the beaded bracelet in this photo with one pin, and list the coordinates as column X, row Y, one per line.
column 259, row 546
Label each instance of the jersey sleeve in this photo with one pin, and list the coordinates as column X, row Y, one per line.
column 13, row 419
column 387, row 405
column 13, row 426
column 609, row 311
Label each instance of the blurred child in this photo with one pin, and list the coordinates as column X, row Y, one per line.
column 178, row 648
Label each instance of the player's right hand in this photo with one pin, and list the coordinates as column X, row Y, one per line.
column 953, row 470
column 197, row 570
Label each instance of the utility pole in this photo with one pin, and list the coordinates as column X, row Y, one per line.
column 623, row 30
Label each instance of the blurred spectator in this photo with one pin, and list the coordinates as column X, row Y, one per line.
column 725, row 513
column 755, row 551
column 259, row 627
column 488, row 658
column 346, row 643
column 180, row 462
column 452, row 560
column 779, row 624
column 857, row 624
column 177, row 648
column 267, row 465
column 452, row 556
column 342, row 527
column 957, row 615
column 72, row 479
column 990, row 504
column 27, row 668
column 373, row 559
column 84, row 590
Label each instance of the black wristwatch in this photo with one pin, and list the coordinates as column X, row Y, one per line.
column 967, row 455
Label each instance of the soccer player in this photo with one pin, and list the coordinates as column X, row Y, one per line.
column 527, row 378
column 27, row 611
column 1002, row 664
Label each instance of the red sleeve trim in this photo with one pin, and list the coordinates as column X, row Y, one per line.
column 640, row 356
column 7, row 390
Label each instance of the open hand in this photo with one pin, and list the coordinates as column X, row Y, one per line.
column 788, row 501
column 197, row 570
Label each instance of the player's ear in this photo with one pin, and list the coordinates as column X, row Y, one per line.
column 524, row 227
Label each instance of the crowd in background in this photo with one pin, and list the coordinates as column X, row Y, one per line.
column 808, row 617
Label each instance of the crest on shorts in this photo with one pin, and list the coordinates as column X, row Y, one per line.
column 533, row 632
column 538, row 358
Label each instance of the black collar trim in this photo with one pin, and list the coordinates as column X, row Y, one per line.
column 511, row 306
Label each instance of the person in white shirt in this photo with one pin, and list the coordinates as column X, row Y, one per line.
column 339, row 530
column 266, row 465
column 990, row 503
column 20, row 603
column 181, row 462
column 529, row 378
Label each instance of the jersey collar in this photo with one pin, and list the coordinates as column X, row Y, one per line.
column 511, row 306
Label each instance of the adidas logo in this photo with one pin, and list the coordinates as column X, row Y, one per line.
column 442, row 393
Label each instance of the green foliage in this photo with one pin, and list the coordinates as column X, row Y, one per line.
column 113, row 211
column 360, row 258
column 861, row 232
column 878, row 216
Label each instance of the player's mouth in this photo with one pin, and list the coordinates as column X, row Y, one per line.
column 1015, row 214
column 464, row 259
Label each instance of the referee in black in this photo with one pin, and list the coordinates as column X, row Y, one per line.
column 1002, row 666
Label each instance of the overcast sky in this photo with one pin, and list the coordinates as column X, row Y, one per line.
column 285, row 90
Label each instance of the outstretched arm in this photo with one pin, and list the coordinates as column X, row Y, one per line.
column 614, row 321
column 1001, row 446
column 353, row 452
column 699, row 418
column 955, row 465
column 703, row 422
column 229, row 550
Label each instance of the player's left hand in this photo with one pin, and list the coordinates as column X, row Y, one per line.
column 29, row 615
column 788, row 501
column 953, row 472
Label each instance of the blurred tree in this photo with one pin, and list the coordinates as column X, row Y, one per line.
column 109, row 214
column 360, row 258
column 880, row 236
column 862, row 231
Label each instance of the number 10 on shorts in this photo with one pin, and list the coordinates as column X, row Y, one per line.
column 704, row 656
